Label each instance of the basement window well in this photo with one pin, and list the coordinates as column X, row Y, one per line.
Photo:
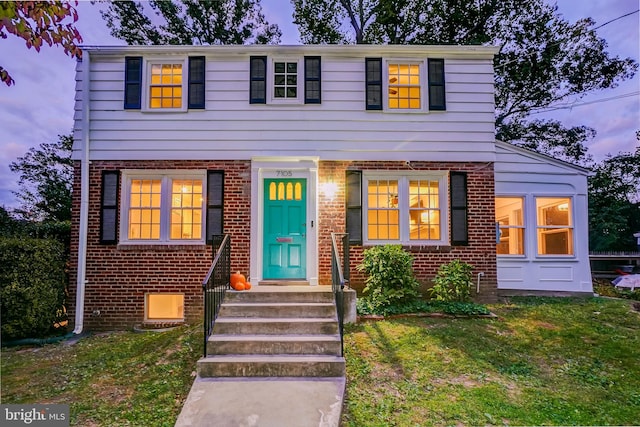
column 164, row 307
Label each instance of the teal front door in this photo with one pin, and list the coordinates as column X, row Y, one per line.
column 285, row 228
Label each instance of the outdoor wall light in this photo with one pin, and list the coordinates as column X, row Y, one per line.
column 330, row 189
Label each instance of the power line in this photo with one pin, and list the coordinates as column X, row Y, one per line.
column 580, row 104
column 560, row 41
column 615, row 19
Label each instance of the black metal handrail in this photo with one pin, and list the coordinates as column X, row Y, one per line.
column 339, row 278
column 216, row 283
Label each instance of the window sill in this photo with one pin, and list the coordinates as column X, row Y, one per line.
column 162, row 247
column 414, row 247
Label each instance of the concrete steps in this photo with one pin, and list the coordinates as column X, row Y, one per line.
column 275, row 331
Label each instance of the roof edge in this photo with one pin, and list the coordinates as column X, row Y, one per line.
column 449, row 50
column 543, row 157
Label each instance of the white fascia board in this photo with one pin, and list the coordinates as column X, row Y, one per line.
column 447, row 51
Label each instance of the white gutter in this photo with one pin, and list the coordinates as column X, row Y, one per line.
column 84, row 196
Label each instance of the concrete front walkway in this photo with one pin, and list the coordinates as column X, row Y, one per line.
column 263, row 402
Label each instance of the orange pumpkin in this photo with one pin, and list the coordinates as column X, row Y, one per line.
column 237, row 278
column 238, row 286
column 247, row 286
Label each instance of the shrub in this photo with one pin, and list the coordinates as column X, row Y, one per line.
column 32, row 286
column 390, row 279
column 453, row 282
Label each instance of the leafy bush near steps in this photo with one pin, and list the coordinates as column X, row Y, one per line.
column 390, row 279
column 420, row 306
column 32, row 286
column 453, row 282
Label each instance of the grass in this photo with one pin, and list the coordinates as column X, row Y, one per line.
column 120, row 378
column 542, row 362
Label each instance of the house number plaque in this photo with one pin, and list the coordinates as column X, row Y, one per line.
column 284, row 173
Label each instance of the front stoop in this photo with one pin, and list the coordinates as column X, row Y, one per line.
column 275, row 333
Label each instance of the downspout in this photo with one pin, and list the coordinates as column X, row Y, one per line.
column 84, row 196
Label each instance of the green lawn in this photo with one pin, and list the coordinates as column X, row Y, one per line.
column 115, row 379
column 542, row 361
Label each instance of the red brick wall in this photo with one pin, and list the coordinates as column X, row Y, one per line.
column 481, row 251
column 119, row 277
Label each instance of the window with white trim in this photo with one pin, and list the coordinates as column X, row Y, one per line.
column 170, row 84
column 554, row 220
column 286, row 80
column 404, row 86
column 163, row 207
column 165, row 87
column 161, row 307
column 405, row 208
column 511, row 227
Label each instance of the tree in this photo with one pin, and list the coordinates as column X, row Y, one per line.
column 46, row 179
column 40, row 22
column 543, row 60
column 187, row 22
column 614, row 202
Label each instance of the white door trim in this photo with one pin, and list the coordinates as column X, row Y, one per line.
column 283, row 167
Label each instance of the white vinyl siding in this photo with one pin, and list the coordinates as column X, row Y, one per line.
column 337, row 129
column 532, row 177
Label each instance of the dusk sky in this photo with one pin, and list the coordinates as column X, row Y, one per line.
column 39, row 107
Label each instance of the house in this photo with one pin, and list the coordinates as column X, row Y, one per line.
column 280, row 146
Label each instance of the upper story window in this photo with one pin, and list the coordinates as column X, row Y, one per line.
column 283, row 80
column 164, row 84
column 408, row 209
column 404, row 86
column 165, row 89
column 399, row 85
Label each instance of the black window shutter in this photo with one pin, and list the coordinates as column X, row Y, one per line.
column 373, row 78
column 437, row 98
column 109, row 207
column 459, row 209
column 215, row 202
column 258, row 80
column 354, row 206
column 312, row 80
column 132, row 82
column 196, row 82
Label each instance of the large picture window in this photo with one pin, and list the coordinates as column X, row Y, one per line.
column 511, row 229
column 163, row 208
column 407, row 209
column 554, row 225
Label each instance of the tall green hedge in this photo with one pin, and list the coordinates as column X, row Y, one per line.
column 32, row 286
